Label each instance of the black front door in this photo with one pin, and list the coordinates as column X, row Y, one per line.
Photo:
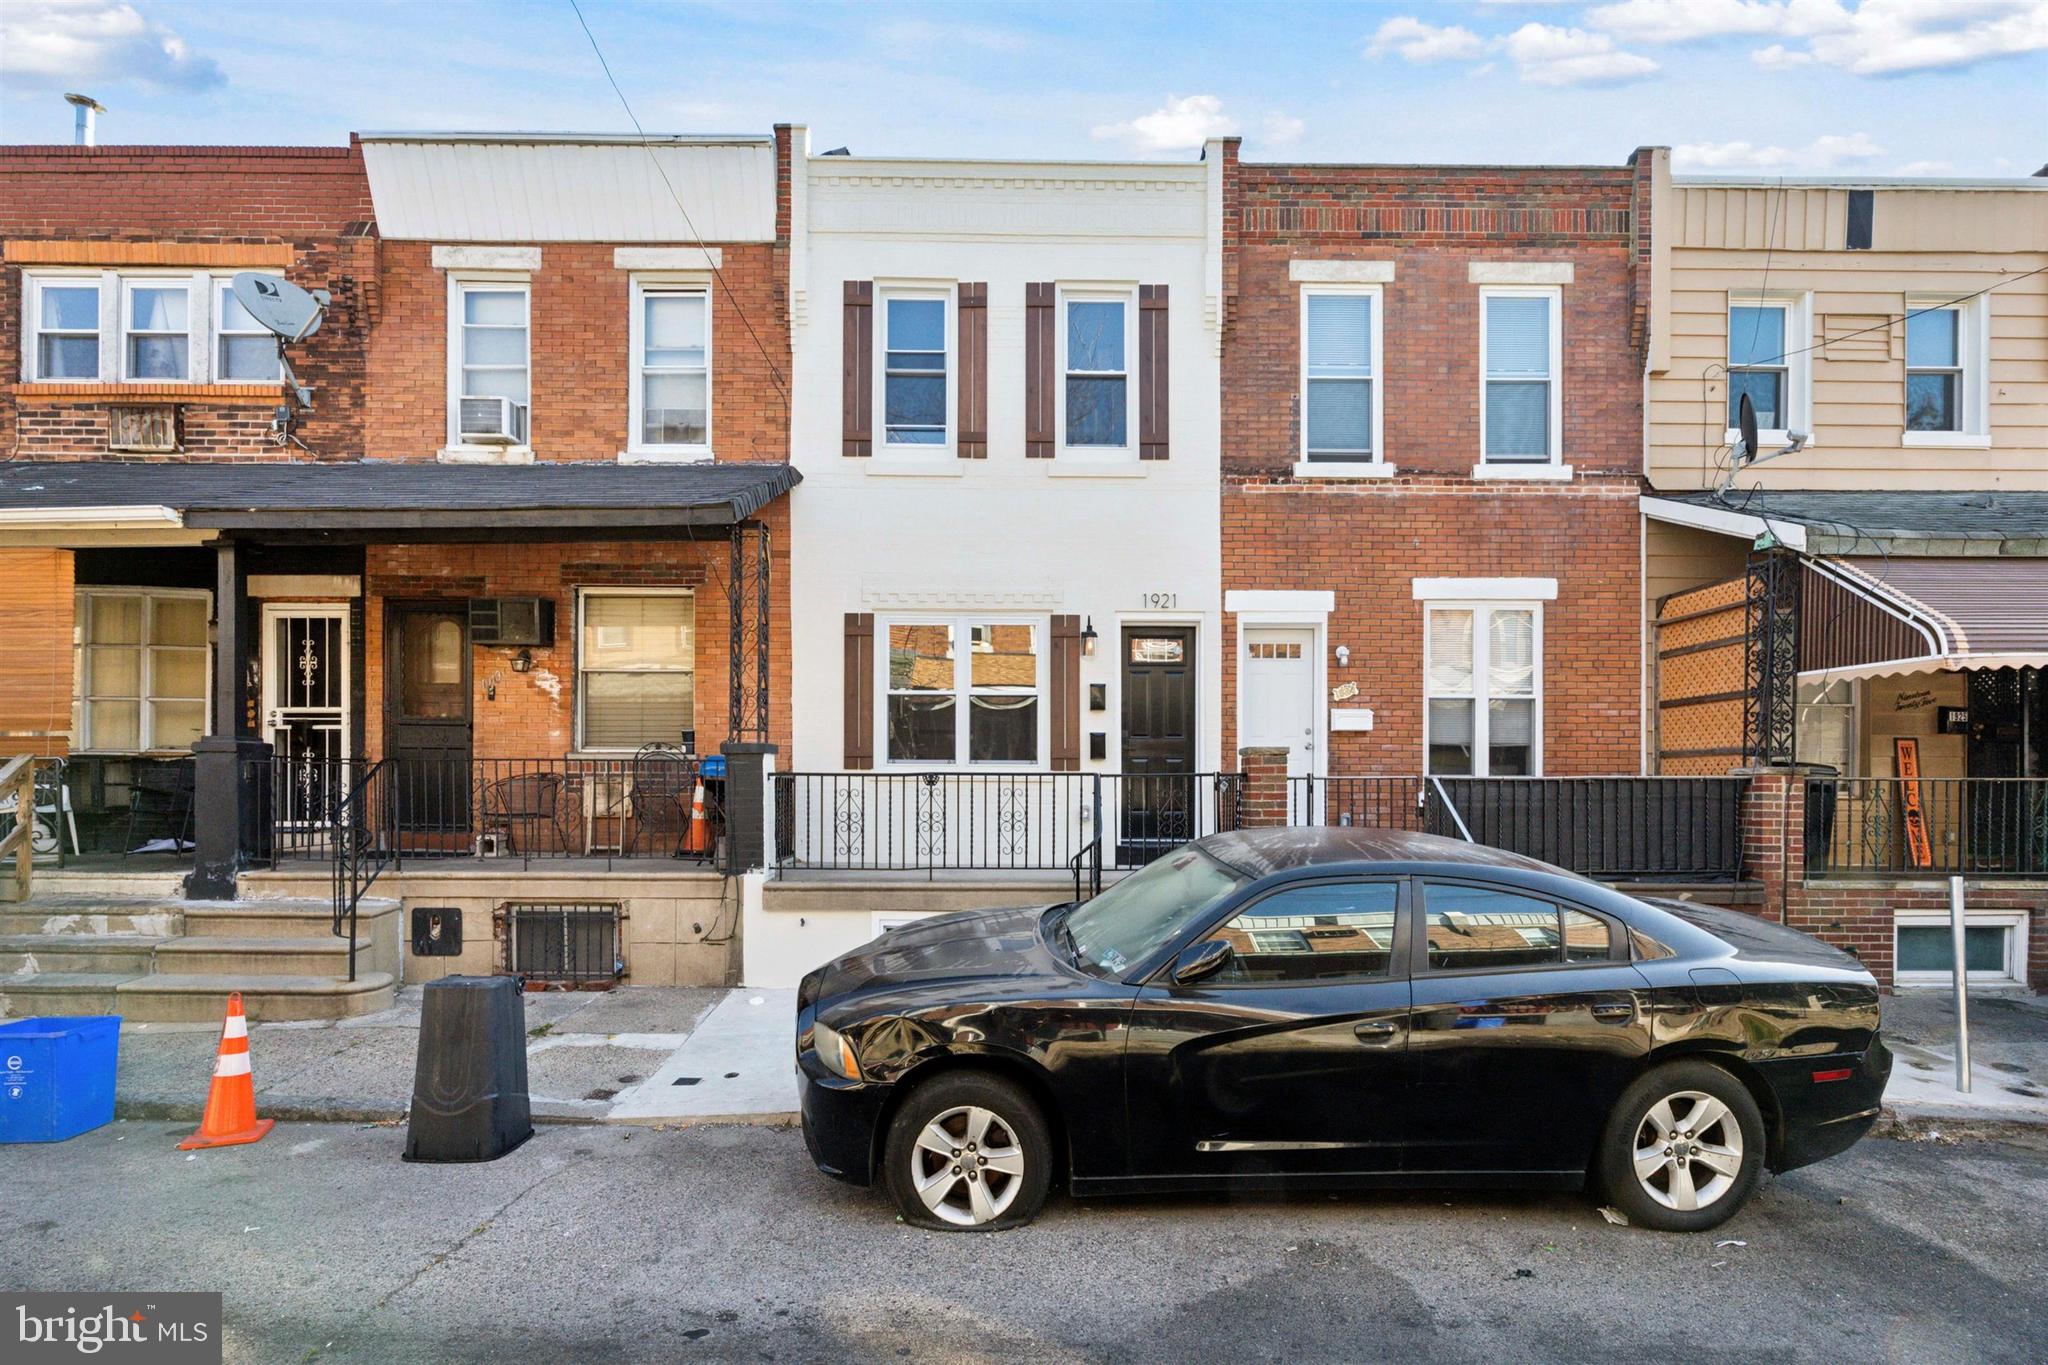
column 1159, row 808
column 427, row 715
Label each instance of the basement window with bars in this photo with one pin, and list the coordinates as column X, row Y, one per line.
column 636, row 666
column 563, row 943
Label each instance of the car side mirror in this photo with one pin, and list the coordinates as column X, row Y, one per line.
column 1202, row 961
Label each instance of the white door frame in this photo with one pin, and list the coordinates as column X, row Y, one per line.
column 1296, row 611
column 338, row 611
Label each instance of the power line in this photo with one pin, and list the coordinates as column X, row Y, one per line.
column 1908, row 316
column 647, row 145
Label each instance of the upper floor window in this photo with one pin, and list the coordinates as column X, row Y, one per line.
column 489, row 366
column 157, row 330
column 914, row 369
column 1769, row 360
column 1097, row 345
column 244, row 350
column 671, row 378
column 1522, row 342
column 1947, row 396
column 942, row 704
column 66, row 314
column 1482, row 667
column 1340, row 342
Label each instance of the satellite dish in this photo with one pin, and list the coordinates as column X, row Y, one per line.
column 279, row 305
column 1745, row 422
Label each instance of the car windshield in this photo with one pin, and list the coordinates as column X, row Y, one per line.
column 1127, row 923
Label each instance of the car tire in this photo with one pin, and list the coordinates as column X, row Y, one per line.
column 1684, row 1148
column 948, row 1120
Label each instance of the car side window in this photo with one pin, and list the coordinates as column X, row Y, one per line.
column 1323, row 932
column 1483, row 928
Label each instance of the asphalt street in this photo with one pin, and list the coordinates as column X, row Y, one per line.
column 595, row 1244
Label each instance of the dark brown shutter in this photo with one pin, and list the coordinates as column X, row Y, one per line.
column 1066, row 694
column 1152, row 388
column 857, row 369
column 1039, row 376
column 860, row 691
column 973, row 391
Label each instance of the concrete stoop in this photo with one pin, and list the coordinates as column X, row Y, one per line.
column 152, row 957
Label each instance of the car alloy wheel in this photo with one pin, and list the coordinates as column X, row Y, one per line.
column 967, row 1166
column 1688, row 1151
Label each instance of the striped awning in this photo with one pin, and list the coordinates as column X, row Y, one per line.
column 1865, row 617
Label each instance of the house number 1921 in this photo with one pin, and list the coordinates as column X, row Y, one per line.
column 1159, row 601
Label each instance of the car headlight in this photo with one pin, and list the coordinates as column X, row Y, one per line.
column 835, row 1052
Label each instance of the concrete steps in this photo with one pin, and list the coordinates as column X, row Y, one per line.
column 104, row 947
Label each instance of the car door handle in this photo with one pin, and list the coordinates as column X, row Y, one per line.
column 1373, row 1030
column 1614, row 1011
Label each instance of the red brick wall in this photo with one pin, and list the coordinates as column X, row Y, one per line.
column 581, row 307
column 534, row 714
column 1367, row 539
column 316, row 200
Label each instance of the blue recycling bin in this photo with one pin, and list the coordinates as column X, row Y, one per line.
column 57, row 1076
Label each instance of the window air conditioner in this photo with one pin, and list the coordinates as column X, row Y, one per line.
column 493, row 421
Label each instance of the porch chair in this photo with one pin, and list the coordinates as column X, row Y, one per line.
column 663, row 777
column 525, row 806
column 607, row 795
column 160, row 800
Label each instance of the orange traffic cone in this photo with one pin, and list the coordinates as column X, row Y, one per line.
column 698, row 840
column 230, row 1117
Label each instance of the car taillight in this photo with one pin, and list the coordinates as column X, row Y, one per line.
column 1839, row 1074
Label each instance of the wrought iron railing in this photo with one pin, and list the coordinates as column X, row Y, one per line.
column 1615, row 828
column 1926, row 827
column 931, row 822
column 359, row 829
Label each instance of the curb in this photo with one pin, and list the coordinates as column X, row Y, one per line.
column 302, row 1111
column 1907, row 1126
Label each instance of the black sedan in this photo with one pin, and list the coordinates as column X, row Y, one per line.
column 1337, row 1008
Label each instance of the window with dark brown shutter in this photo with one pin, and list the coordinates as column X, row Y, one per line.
column 972, row 395
column 860, row 691
column 1039, row 376
column 1152, row 390
column 856, row 369
column 1066, row 694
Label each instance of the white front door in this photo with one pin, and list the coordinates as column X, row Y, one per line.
column 1279, row 682
column 305, row 702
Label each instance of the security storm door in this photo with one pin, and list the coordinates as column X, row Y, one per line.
column 1159, row 798
column 305, row 703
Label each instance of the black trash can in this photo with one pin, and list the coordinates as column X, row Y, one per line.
column 469, row 1100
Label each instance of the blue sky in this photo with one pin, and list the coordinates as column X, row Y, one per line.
column 1784, row 86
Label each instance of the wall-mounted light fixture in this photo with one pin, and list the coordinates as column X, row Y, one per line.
column 1088, row 639
column 1343, row 656
column 522, row 662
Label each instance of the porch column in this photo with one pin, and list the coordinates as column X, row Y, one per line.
column 1774, row 836
column 228, row 818
column 1262, row 797
column 749, row 806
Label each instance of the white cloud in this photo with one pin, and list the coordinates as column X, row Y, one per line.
column 1928, row 168
column 78, row 43
column 1871, row 38
column 1177, row 125
column 1548, row 55
column 1415, row 41
column 1830, row 152
column 1778, row 57
column 1684, row 21
column 1282, row 130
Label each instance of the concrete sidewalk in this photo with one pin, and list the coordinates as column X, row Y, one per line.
column 2008, row 1058
column 591, row 1057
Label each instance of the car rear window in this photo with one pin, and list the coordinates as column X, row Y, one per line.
column 1481, row 928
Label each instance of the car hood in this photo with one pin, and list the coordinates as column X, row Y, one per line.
column 987, row 945
column 1755, row 939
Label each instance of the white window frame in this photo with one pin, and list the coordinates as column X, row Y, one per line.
column 204, row 291
column 459, row 283
column 927, row 291
column 583, row 595
column 86, row 599
column 2014, row 922
column 222, row 286
column 1854, row 707
column 1555, row 378
column 32, row 332
column 1798, row 307
column 636, row 447
column 1481, row 607
column 198, row 361
column 1973, row 390
column 1371, row 462
column 1127, row 295
column 963, row 624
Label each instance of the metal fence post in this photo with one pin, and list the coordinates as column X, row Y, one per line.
column 1955, row 930
column 1095, row 844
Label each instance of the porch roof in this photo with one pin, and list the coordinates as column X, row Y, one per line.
column 1867, row 616
column 1862, row 522
column 390, row 495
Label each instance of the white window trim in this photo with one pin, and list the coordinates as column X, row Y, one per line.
column 636, row 332
column 585, row 594
column 1855, row 708
column 2016, row 947
column 1126, row 294
column 198, row 324
column 962, row 624
column 1798, row 306
column 1365, row 464
column 1973, row 397
column 33, row 284
column 82, row 688
column 909, row 454
column 1522, row 468
column 456, row 447
column 222, row 284
column 1479, row 696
